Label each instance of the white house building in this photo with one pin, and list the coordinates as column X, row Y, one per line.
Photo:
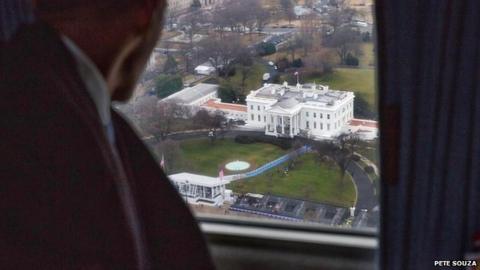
column 309, row 109
column 365, row 129
column 204, row 96
column 230, row 111
column 200, row 189
column 195, row 95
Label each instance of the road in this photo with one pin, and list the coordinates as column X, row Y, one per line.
column 366, row 196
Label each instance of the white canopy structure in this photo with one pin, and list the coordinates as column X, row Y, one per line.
column 200, row 189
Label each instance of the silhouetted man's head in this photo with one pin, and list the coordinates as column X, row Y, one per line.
column 118, row 35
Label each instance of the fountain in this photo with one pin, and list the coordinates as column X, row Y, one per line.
column 237, row 165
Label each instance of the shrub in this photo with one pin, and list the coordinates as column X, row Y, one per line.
column 244, row 139
column 283, row 64
column 267, row 48
column 165, row 85
column 297, row 63
column 356, row 158
column 283, row 143
column 369, row 169
column 351, row 60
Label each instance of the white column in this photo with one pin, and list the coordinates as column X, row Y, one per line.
column 298, row 122
column 275, row 124
column 283, row 124
column 295, row 126
column 291, row 125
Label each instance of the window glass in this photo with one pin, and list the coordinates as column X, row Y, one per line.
column 220, row 60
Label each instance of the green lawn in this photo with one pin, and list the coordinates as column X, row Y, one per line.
column 309, row 180
column 367, row 59
column 202, row 157
column 359, row 80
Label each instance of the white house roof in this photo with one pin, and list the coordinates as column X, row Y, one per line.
column 196, row 179
column 289, row 97
column 191, row 94
column 288, row 103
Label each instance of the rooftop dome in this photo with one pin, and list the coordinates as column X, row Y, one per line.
column 288, row 103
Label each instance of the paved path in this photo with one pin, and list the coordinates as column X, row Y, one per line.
column 366, row 196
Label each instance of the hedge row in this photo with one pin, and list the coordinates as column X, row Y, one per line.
column 283, row 143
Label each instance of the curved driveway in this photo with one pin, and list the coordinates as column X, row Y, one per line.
column 366, row 198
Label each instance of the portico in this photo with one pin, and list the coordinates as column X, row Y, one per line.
column 282, row 125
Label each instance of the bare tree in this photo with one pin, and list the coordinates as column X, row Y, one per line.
column 347, row 144
column 232, row 13
column 166, row 114
column 244, row 61
column 169, row 151
column 262, row 17
column 191, row 25
column 287, row 8
column 341, row 15
column 244, row 13
column 202, row 119
column 144, row 110
column 320, row 61
column 309, row 3
column 171, row 17
column 221, row 52
column 341, row 150
column 309, row 34
column 292, row 45
column 215, row 122
column 218, row 124
column 219, row 21
column 346, row 41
